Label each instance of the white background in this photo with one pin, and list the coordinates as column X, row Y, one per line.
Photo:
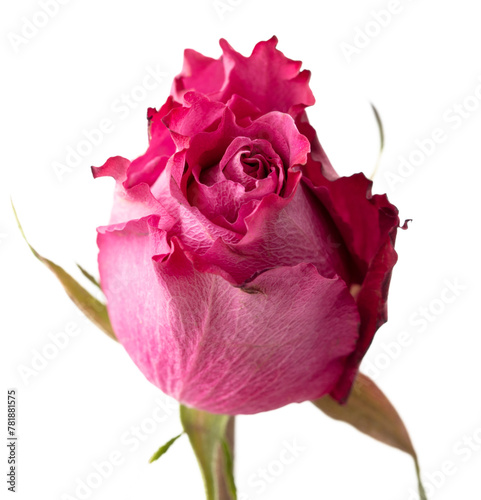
column 86, row 401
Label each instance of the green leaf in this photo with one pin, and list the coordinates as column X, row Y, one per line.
column 206, row 433
column 369, row 411
column 89, row 305
column 164, row 448
column 91, row 278
column 377, row 116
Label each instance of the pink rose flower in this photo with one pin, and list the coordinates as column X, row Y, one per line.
column 241, row 272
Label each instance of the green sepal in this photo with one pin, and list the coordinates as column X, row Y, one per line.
column 164, row 448
column 90, row 277
column 369, row 411
column 95, row 310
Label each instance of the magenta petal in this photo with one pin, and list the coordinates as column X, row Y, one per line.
column 317, row 154
column 267, row 78
column 115, row 167
column 149, row 166
column 185, row 122
column 155, row 118
column 132, row 203
column 372, row 305
column 200, row 73
column 364, row 220
column 282, row 339
column 130, row 285
column 222, row 199
column 281, row 130
column 281, row 232
column 244, row 111
column 368, row 226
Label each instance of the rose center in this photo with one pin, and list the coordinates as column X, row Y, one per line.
column 255, row 166
column 250, row 164
column 249, row 170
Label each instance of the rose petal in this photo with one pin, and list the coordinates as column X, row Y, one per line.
column 372, row 305
column 150, row 165
column 368, row 227
column 218, row 347
column 267, row 78
column 317, row 155
column 364, row 220
column 132, row 203
column 245, row 112
column 199, row 115
column 201, row 73
column 282, row 232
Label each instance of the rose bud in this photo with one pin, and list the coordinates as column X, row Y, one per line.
column 241, row 272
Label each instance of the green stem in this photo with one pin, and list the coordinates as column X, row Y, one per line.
column 224, row 486
column 212, row 439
